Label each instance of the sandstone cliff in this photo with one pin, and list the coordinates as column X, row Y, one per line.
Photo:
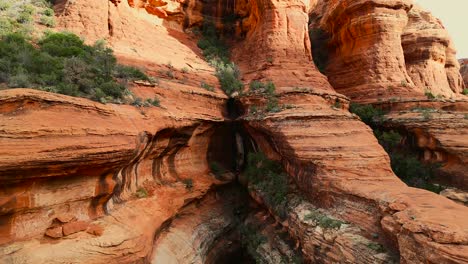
column 84, row 182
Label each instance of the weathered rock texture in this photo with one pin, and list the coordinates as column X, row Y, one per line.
column 464, row 70
column 355, row 180
column 382, row 49
column 90, row 162
column 84, row 182
column 396, row 55
column 438, row 130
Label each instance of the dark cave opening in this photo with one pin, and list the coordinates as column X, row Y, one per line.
column 227, row 155
column 230, row 142
column 239, row 255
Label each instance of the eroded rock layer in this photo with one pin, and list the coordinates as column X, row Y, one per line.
column 84, row 182
column 384, row 49
column 355, row 180
column 91, row 163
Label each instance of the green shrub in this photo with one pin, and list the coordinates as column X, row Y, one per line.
column 47, row 21
column 6, row 26
column 207, row 87
column 130, row 73
column 48, row 12
column 465, row 91
column 25, row 14
column 19, row 80
column 376, row 247
column 213, row 47
column 389, row 140
column 141, row 193
column 323, row 220
column 268, row 88
column 64, row 64
column 20, row 16
column 370, row 115
column 138, row 102
column 405, row 163
column 337, row 104
column 5, row 5
column 156, row 102
column 429, row 95
column 269, row 177
column 170, row 74
column 273, row 105
column 63, row 44
column 216, row 53
column 228, row 76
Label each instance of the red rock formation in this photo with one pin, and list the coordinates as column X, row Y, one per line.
column 336, row 161
column 383, row 49
column 429, row 54
column 276, row 44
column 439, row 131
column 103, row 151
column 390, row 53
column 464, row 70
column 101, row 182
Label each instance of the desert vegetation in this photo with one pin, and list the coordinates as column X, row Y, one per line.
column 217, row 54
column 404, row 160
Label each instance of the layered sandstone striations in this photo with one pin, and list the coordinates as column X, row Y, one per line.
column 335, row 159
column 399, row 57
column 464, row 70
column 383, row 49
column 91, row 163
column 91, row 183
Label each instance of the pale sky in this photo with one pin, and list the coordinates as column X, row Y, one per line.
column 453, row 16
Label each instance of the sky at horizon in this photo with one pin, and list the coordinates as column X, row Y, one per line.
column 451, row 12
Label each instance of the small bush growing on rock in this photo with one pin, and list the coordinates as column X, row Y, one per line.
column 47, row 21
column 323, row 220
column 130, row 73
column 268, row 88
column 376, row 247
column 429, row 95
column 138, row 102
column 228, row 75
column 405, row 163
column 370, row 115
column 151, row 102
column 270, row 179
column 188, row 183
column 216, row 53
column 141, row 193
column 156, row 102
column 207, row 87
column 273, row 105
column 337, row 104
column 465, row 91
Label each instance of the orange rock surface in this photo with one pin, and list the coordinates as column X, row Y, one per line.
column 92, row 183
column 382, row 49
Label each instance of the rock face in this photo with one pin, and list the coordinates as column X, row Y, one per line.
column 464, row 70
column 90, row 165
column 396, row 55
column 438, row 130
column 83, row 182
column 383, row 49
